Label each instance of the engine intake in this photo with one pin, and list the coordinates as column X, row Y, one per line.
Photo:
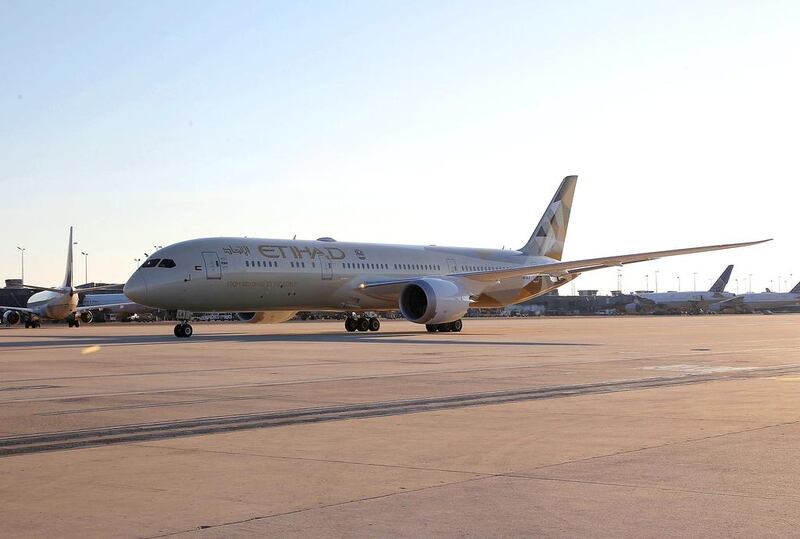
column 433, row 301
column 11, row 318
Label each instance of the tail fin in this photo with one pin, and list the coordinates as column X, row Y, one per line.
column 722, row 282
column 68, row 273
column 796, row 289
column 548, row 237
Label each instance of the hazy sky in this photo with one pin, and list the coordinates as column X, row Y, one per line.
column 144, row 123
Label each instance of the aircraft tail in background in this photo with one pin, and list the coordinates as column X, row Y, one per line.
column 722, row 282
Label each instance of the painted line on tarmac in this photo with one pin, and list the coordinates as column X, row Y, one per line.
column 55, row 441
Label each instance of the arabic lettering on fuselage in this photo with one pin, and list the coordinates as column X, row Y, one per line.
column 238, row 250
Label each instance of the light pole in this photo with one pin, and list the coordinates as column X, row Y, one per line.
column 22, row 252
column 85, row 267
column 779, row 283
column 619, row 280
column 679, row 282
column 694, row 281
column 136, row 263
column 647, row 281
column 737, row 286
column 656, row 280
column 750, row 282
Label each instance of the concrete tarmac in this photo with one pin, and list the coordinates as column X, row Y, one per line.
column 558, row 427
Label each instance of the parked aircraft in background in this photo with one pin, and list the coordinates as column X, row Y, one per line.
column 763, row 301
column 680, row 302
column 116, row 304
column 56, row 303
column 269, row 280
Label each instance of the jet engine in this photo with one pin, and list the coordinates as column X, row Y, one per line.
column 433, row 301
column 11, row 318
column 636, row 307
column 266, row 317
column 87, row 317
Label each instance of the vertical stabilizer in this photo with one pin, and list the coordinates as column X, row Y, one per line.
column 796, row 289
column 548, row 237
column 722, row 282
column 68, row 272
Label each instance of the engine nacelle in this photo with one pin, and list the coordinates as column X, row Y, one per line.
column 11, row 318
column 266, row 317
column 433, row 301
column 87, row 317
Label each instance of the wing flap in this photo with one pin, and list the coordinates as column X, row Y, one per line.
column 18, row 309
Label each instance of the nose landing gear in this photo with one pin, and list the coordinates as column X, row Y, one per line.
column 183, row 330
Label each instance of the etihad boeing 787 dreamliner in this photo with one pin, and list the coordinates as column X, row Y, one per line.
column 268, row 280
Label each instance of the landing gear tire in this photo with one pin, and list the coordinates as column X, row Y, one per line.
column 362, row 324
column 432, row 328
column 36, row 324
column 183, row 331
column 76, row 324
column 27, row 324
column 456, row 326
column 443, row 328
column 70, row 323
column 350, row 324
column 374, row 324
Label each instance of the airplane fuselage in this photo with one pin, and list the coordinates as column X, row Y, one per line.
column 246, row 274
column 52, row 305
column 684, row 301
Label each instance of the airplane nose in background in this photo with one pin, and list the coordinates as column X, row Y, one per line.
column 136, row 289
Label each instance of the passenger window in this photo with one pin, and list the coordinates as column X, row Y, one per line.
column 153, row 262
column 167, row 263
column 247, row 263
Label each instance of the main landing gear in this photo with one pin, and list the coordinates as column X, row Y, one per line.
column 362, row 323
column 73, row 322
column 32, row 324
column 455, row 327
column 183, row 330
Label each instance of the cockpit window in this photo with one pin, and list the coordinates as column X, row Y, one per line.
column 153, row 262
column 167, row 263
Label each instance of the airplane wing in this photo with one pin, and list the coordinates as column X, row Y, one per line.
column 105, row 306
column 92, row 289
column 18, row 309
column 575, row 266
column 730, row 302
column 590, row 264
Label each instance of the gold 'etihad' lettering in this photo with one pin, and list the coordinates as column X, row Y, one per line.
column 281, row 251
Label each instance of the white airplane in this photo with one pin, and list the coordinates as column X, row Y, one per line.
column 59, row 303
column 679, row 302
column 764, row 301
column 116, row 304
column 268, row 280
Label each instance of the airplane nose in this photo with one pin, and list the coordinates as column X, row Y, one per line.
column 136, row 288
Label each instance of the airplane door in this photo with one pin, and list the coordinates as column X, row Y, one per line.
column 326, row 266
column 451, row 265
column 213, row 269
